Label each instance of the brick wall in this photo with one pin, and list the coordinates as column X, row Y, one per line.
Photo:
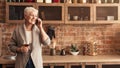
column 107, row 36
column 2, row 10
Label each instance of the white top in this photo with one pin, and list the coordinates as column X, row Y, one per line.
column 28, row 36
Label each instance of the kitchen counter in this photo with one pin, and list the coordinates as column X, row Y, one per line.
column 68, row 59
column 80, row 58
column 72, row 59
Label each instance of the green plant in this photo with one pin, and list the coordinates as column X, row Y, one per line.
column 74, row 48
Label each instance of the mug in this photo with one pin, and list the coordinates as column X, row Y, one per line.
column 75, row 17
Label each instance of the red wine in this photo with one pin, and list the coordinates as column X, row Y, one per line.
column 26, row 45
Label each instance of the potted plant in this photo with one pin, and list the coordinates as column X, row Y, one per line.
column 74, row 50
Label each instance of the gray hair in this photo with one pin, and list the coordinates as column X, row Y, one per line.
column 28, row 10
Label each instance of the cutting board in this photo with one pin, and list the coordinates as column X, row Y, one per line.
column 0, row 42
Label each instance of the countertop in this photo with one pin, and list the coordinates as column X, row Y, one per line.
column 73, row 59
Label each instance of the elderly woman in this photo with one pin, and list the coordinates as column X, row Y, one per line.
column 27, row 41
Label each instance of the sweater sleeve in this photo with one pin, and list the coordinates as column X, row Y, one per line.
column 47, row 41
column 13, row 43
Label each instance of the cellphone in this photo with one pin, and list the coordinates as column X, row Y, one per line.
column 36, row 22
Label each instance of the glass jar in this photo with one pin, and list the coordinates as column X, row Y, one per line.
column 98, row 1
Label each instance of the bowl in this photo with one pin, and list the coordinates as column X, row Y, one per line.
column 9, row 57
column 74, row 53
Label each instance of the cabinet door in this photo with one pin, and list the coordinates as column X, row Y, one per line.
column 107, row 13
column 74, row 65
column 111, row 66
column 46, row 65
column 55, row 65
column 90, row 66
column 8, row 66
column 60, row 65
column 52, row 13
column 78, row 13
column 15, row 11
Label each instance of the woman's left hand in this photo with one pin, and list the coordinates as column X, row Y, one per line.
column 39, row 24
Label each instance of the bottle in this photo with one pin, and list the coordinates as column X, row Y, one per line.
column 30, row 0
column 84, row 50
column 69, row 1
column 84, row 1
column 112, row 1
column 52, row 52
column 105, row 1
column 9, row 0
column 56, row 1
column 62, row 52
column 62, row 1
column 74, row 1
column 17, row 0
column 99, row 1
column 68, row 16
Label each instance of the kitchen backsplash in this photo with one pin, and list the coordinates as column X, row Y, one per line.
column 107, row 36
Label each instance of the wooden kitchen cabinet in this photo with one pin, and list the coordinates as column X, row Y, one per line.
column 49, row 13
column 15, row 12
column 8, row 66
column 90, row 66
column 52, row 13
column 78, row 13
column 75, row 65
column 74, row 12
column 81, row 65
column 55, row 65
column 111, row 66
column 107, row 13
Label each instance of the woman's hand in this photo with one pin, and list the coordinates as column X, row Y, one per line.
column 39, row 23
column 24, row 48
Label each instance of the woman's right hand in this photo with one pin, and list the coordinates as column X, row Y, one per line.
column 24, row 49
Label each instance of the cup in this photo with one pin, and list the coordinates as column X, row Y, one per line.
column 75, row 17
column 83, row 1
column 110, row 18
column 26, row 45
column 74, row 1
column 99, row 1
column 48, row 1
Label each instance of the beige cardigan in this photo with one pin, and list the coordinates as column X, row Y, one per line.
column 18, row 39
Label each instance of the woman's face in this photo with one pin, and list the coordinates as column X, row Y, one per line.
column 31, row 17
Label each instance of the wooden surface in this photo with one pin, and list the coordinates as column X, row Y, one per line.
column 0, row 41
column 80, row 58
column 109, row 59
